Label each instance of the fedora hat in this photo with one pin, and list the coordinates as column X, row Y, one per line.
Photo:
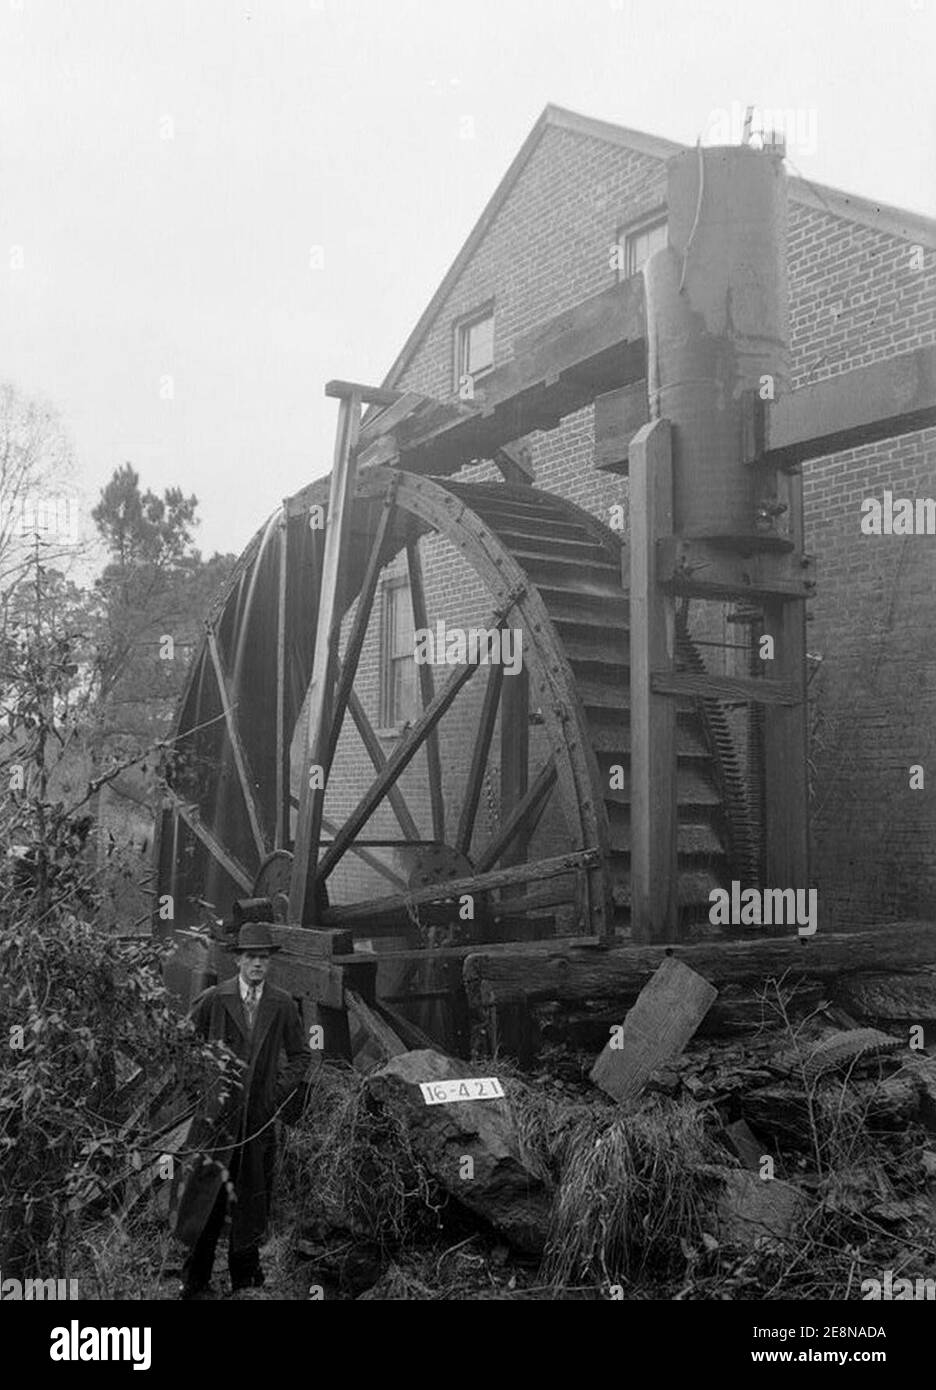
column 254, row 936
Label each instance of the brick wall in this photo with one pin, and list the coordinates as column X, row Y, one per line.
column 857, row 296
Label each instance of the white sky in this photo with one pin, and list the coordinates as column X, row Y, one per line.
column 336, row 123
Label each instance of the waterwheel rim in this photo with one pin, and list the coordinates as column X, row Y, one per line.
column 228, row 803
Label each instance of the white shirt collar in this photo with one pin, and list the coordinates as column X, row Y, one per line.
column 244, row 988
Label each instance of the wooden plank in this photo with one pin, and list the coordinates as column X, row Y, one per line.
column 886, row 399
column 376, row 754
column 307, row 978
column 479, row 758
column 618, row 416
column 566, row 974
column 522, row 819
column 668, row 1011
column 400, row 758
column 303, row 905
column 376, row 1027
column 703, row 569
column 737, row 689
column 390, row 417
column 366, row 912
column 369, row 395
column 653, row 862
column 237, row 748
column 314, row 942
column 426, row 691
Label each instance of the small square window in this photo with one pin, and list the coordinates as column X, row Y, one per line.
column 398, row 692
column 639, row 244
column 475, row 347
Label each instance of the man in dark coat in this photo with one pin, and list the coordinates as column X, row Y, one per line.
column 235, row 1126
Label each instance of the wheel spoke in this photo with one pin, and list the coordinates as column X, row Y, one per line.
column 376, row 754
column 359, row 626
column 237, row 748
column 402, row 755
column 479, row 757
column 427, row 691
column 522, row 820
column 228, row 862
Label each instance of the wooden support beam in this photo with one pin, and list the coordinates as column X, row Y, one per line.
column 515, row 772
column 556, row 369
column 740, row 690
column 368, row 395
column 653, row 861
column 531, row 974
column 237, row 748
column 378, row 759
column 427, row 691
column 375, row 1026
column 703, row 569
column 521, row 821
column 479, row 758
column 886, row 399
column 513, row 461
column 303, row 904
column 400, row 758
column 786, row 735
column 367, row 913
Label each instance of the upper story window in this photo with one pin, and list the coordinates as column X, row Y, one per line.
column 474, row 349
column 398, row 698
column 639, row 243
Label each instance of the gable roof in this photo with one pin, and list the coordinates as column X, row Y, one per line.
column 912, row 226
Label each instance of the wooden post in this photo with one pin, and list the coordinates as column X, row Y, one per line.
column 515, row 762
column 302, row 892
column 786, row 732
column 654, row 874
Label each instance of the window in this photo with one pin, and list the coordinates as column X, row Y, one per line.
column 639, row 244
column 475, row 347
column 398, row 702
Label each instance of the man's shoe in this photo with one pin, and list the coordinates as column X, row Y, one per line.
column 190, row 1292
column 250, row 1281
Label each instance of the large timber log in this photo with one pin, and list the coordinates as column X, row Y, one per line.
column 523, row 977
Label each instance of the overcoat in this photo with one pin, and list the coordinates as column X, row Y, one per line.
column 245, row 1116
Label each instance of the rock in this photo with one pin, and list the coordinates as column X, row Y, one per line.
column 752, row 1207
column 890, row 998
column 745, row 1144
column 497, row 1184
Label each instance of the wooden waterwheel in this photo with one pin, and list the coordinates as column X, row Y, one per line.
column 501, row 810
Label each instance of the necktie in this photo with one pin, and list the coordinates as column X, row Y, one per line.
column 251, row 1004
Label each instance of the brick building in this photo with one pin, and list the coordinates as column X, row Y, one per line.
column 581, row 207
column 863, row 288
